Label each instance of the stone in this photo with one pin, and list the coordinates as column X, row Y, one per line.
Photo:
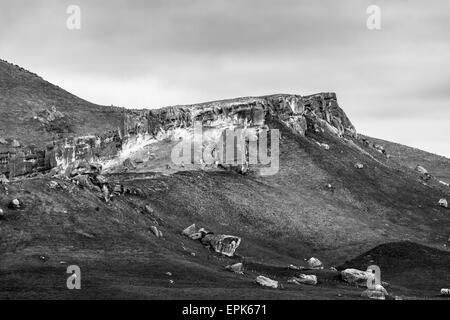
column 444, row 183
column 189, row 230
column 3, row 179
column 236, row 268
column 101, row 179
column 292, row 267
column 149, row 209
column 421, row 169
column 314, row 263
column 445, row 292
column 156, row 232
column 309, row 279
column 267, row 282
column 53, row 184
column 356, row 277
column 359, row 165
column 443, row 203
column 2, row 214
column 3, row 141
column 223, row 244
column 84, row 181
column 15, row 204
column 129, row 164
column 15, row 144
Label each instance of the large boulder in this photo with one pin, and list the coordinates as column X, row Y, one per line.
column 221, row 243
column 356, row 277
column 267, row 282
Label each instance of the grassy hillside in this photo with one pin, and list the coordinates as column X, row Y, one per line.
column 26, row 97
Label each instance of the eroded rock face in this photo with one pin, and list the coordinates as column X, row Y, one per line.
column 141, row 128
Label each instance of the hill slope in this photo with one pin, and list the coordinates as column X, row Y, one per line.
column 318, row 204
column 34, row 111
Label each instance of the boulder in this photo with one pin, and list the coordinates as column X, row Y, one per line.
column 15, row 144
column 421, row 169
column 3, row 179
column 309, row 279
column 445, row 292
column 314, row 263
column 356, row 277
column 84, row 181
column 444, row 183
column 15, row 204
column 2, row 214
column 189, row 230
column 359, row 165
column 237, row 268
column 3, row 141
column 149, row 209
column 443, row 203
column 156, row 232
column 53, row 184
column 101, row 179
column 267, row 282
column 223, row 244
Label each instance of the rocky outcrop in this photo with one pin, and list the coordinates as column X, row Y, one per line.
column 300, row 114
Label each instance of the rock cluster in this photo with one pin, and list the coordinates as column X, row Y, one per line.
column 220, row 243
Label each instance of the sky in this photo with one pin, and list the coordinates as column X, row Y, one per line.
column 392, row 82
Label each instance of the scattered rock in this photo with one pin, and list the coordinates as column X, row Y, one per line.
column 149, row 209
column 43, row 258
column 189, row 230
column 309, row 279
column 444, row 183
column 129, row 164
column 171, row 282
column 359, row 165
column 292, row 267
column 445, row 292
column 169, row 274
column 3, row 179
column 333, row 269
column 3, row 141
column 355, row 276
column 101, row 179
column 15, row 144
column 314, row 263
column 237, row 268
column 221, row 243
column 15, row 204
column 2, row 214
column 443, row 203
column 156, row 232
column 53, row 184
column 267, row 282
column 421, row 169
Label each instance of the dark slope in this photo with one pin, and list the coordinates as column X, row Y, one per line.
column 26, row 97
column 437, row 165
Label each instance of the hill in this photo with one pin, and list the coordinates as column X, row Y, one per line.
column 334, row 196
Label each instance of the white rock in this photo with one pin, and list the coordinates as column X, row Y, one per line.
column 314, row 263
column 237, row 268
column 421, row 169
column 267, row 282
column 443, row 203
column 190, row 230
column 444, row 183
column 359, row 165
column 304, row 279
column 355, row 276
column 445, row 292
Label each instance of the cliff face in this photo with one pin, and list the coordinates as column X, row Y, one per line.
column 143, row 130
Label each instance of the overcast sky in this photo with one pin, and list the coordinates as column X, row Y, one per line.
column 393, row 83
